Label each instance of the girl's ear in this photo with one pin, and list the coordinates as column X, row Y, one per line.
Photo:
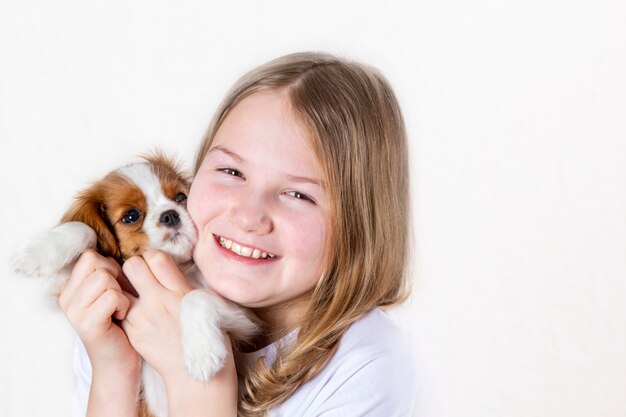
column 89, row 208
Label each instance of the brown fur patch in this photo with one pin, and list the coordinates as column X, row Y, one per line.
column 171, row 175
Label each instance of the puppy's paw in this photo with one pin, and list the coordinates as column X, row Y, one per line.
column 28, row 261
column 41, row 256
column 203, row 365
column 204, row 348
column 50, row 251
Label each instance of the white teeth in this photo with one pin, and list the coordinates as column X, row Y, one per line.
column 243, row 250
column 236, row 248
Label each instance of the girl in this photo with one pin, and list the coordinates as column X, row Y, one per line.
column 305, row 161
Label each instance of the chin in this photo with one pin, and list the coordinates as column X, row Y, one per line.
column 134, row 208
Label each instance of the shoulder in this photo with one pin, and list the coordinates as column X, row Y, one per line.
column 389, row 363
column 378, row 348
column 361, row 379
column 377, row 333
column 378, row 343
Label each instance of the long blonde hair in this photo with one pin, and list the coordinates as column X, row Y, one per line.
column 355, row 128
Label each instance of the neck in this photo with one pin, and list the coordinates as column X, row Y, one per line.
column 279, row 320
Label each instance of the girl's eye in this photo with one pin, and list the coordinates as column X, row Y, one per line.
column 298, row 195
column 131, row 216
column 231, row 171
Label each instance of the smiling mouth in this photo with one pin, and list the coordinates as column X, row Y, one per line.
column 244, row 251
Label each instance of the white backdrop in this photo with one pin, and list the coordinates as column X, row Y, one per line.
column 516, row 113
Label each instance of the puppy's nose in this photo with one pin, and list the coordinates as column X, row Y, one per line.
column 170, row 218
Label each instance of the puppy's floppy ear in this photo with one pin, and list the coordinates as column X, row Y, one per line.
column 88, row 208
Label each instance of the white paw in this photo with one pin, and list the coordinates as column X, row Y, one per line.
column 203, row 343
column 203, row 365
column 53, row 249
column 27, row 261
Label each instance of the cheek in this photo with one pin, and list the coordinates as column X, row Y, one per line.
column 200, row 202
column 308, row 240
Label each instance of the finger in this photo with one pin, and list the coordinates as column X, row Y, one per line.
column 111, row 303
column 98, row 316
column 131, row 297
column 140, row 275
column 166, row 271
column 132, row 302
column 125, row 284
column 87, row 263
column 93, row 287
column 129, row 321
column 128, row 328
column 122, row 307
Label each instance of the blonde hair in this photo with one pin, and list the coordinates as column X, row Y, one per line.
column 355, row 128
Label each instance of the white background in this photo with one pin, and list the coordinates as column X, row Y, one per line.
column 516, row 114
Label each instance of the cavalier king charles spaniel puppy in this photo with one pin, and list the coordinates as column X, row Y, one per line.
column 134, row 208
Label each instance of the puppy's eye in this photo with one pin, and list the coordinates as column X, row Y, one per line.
column 131, row 216
column 180, row 198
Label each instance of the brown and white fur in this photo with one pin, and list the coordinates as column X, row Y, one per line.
column 134, row 208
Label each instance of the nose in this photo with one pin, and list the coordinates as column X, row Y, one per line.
column 252, row 216
column 170, row 218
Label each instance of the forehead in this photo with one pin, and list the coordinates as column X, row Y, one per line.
column 263, row 128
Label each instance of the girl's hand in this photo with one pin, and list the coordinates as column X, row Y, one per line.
column 153, row 328
column 153, row 320
column 91, row 298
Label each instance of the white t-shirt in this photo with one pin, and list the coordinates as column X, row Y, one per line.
column 375, row 372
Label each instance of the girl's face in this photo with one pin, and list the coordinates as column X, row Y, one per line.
column 259, row 203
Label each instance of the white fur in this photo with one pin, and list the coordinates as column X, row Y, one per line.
column 204, row 315
column 154, row 392
column 201, row 333
column 53, row 249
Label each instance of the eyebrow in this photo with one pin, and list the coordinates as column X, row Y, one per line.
column 313, row 181
column 294, row 178
column 230, row 153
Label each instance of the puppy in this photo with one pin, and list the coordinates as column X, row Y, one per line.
column 134, row 208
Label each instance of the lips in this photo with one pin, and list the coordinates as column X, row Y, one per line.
column 244, row 251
